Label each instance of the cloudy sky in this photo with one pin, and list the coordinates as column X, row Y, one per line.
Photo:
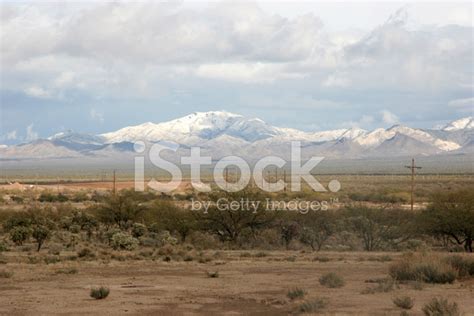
column 96, row 67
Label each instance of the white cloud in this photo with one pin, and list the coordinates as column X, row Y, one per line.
column 11, row 135
column 30, row 133
column 96, row 116
column 389, row 118
column 37, row 92
column 467, row 104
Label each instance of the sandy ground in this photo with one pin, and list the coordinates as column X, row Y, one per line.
column 245, row 286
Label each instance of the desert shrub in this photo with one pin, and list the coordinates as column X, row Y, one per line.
column 317, row 229
column 441, row 307
column 404, row 302
column 75, row 229
column 188, row 258
column 166, row 250
column 202, row 240
column 212, row 274
column 321, row 259
column 52, row 259
column 49, row 197
column 86, row 253
column 166, row 239
column 261, row 254
column 17, row 199
column 204, row 259
column 99, row 292
column 245, row 255
column 40, row 234
column 383, row 286
column 312, row 306
column 55, row 249
column 426, row 268
column 331, row 280
column 463, row 265
column 172, row 218
column 121, row 209
column 5, row 274
column 123, row 241
column 383, row 258
column 3, row 246
column 33, row 260
column 138, row 230
column 80, row 196
column 67, row 271
column 380, row 228
column 19, row 234
column 296, row 293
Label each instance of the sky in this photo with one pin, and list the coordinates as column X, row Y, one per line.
column 95, row 67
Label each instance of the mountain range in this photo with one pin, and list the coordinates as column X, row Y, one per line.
column 220, row 133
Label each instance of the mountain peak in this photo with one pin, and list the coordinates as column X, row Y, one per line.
column 464, row 123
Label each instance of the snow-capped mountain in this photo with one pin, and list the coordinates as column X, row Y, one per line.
column 223, row 133
column 461, row 124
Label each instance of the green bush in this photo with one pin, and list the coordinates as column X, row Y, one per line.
column 441, row 307
column 331, row 280
column 3, row 246
column 100, row 292
column 40, row 234
column 404, row 302
column 138, row 230
column 123, row 241
column 296, row 293
column 19, row 234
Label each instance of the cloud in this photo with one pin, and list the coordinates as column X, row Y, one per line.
column 11, row 135
column 73, row 55
column 37, row 92
column 96, row 116
column 30, row 133
column 466, row 104
column 389, row 118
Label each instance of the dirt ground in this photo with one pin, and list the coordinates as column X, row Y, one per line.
column 247, row 285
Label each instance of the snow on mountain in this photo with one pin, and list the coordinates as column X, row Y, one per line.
column 380, row 135
column 78, row 138
column 464, row 123
column 223, row 133
column 195, row 127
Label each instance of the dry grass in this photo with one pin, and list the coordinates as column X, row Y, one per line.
column 332, row 280
column 429, row 268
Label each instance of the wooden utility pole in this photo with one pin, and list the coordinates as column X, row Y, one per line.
column 114, row 187
column 412, row 167
column 284, row 179
column 226, row 177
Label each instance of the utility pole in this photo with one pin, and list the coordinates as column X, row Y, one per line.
column 226, row 177
column 114, row 187
column 412, row 167
column 284, row 179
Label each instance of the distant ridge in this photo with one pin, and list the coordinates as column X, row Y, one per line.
column 221, row 133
